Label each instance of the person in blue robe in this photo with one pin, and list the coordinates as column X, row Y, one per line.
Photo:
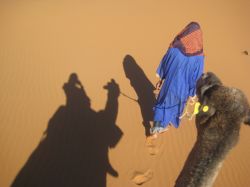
column 179, row 70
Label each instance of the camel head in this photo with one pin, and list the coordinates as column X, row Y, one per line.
column 211, row 91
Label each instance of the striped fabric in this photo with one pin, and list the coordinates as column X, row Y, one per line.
column 189, row 40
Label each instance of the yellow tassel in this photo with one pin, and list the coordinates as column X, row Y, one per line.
column 196, row 108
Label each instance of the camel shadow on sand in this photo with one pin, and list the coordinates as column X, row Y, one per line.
column 143, row 88
column 75, row 145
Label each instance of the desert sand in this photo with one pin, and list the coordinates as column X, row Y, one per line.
column 43, row 42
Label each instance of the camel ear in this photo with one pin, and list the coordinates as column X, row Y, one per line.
column 247, row 119
column 204, row 89
column 204, row 116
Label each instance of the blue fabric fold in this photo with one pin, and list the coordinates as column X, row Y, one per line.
column 180, row 74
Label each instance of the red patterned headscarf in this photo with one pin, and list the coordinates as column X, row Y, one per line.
column 189, row 40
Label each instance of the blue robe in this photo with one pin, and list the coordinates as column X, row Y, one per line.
column 180, row 74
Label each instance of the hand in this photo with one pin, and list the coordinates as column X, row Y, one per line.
column 192, row 100
column 158, row 84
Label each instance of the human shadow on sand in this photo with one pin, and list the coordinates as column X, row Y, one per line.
column 74, row 149
column 143, row 88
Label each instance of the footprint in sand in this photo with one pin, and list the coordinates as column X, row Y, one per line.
column 151, row 145
column 141, row 178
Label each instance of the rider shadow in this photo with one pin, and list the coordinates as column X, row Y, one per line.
column 75, row 145
column 143, row 88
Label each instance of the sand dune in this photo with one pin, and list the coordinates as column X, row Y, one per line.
column 43, row 42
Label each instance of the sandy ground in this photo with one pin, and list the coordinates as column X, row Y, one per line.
column 43, row 42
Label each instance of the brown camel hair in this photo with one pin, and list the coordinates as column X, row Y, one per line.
column 217, row 131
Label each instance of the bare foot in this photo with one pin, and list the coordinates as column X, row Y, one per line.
column 142, row 178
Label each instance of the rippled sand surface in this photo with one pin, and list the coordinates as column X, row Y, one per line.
column 43, row 42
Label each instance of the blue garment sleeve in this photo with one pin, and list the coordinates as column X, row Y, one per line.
column 197, row 74
column 161, row 70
